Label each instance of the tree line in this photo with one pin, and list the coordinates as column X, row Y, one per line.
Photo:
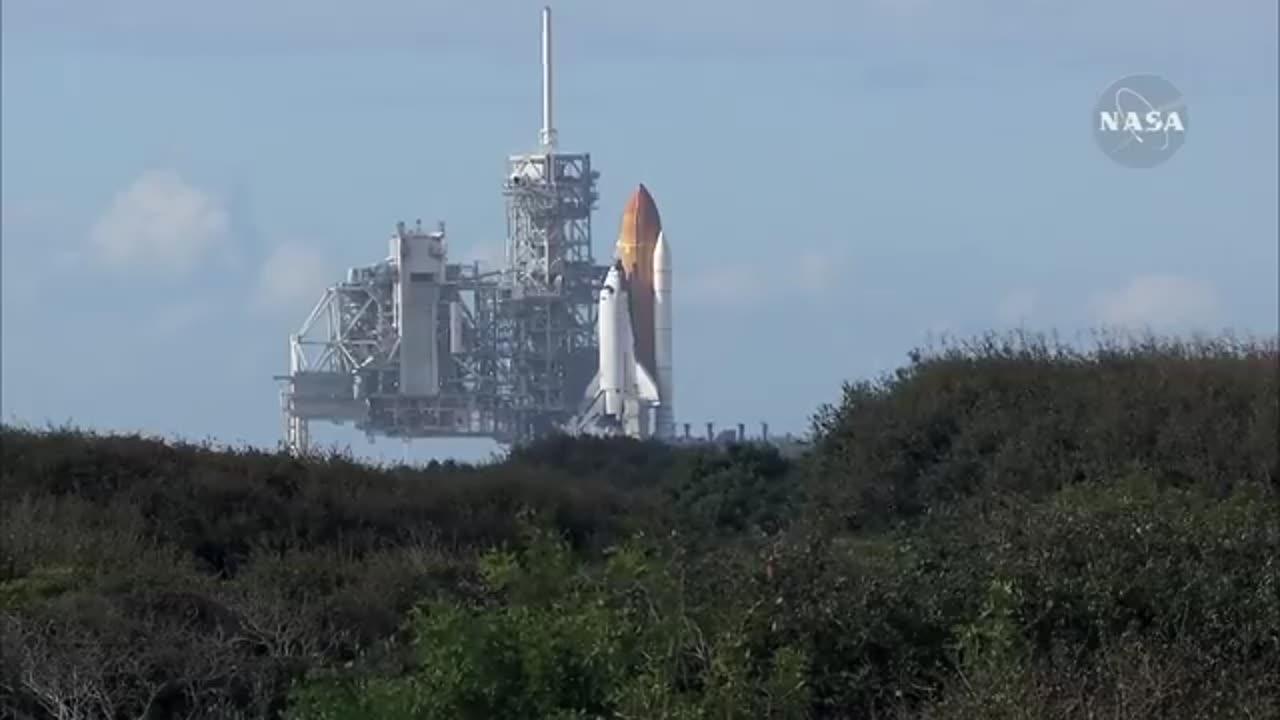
column 1005, row 527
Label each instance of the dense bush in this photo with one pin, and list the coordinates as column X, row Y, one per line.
column 895, row 618
column 558, row 640
column 1005, row 528
column 1023, row 414
column 221, row 506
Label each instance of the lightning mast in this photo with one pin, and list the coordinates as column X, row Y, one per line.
column 547, row 136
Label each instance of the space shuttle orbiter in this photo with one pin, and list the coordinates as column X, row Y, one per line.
column 622, row 390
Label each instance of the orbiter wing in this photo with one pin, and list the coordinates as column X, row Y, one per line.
column 646, row 388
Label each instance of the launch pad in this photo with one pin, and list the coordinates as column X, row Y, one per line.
column 417, row 347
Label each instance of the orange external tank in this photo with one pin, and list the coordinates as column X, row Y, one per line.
column 636, row 241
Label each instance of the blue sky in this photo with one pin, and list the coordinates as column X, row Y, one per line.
column 838, row 180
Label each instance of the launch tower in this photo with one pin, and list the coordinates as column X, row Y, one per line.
column 548, row 313
column 416, row 347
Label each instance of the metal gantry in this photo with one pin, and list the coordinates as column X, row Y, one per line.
column 344, row 363
column 548, row 342
column 514, row 349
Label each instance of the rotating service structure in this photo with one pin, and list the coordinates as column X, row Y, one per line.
column 403, row 348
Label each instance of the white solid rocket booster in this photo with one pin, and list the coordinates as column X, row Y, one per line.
column 666, row 424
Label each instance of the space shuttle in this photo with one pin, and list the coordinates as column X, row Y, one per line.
column 632, row 391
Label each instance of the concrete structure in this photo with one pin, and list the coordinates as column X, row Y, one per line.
column 418, row 261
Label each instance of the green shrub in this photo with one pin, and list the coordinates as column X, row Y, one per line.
column 1023, row 415
column 560, row 641
column 1007, row 528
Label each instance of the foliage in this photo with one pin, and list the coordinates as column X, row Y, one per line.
column 1027, row 415
column 562, row 641
column 1008, row 528
column 743, row 488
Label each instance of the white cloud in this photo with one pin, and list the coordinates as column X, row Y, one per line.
column 294, row 275
column 1158, row 301
column 160, row 222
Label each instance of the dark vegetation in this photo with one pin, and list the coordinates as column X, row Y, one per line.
column 1000, row 529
